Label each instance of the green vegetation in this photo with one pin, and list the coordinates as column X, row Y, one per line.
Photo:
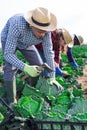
column 44, row 102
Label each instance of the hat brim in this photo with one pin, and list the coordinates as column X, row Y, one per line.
column 67, row 36
column 51, row 27
column 70, row 44
column 80, row 39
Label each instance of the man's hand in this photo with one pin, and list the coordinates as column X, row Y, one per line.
column 54, row 82
column 32, row 70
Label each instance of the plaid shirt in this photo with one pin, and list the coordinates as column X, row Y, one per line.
column 18, row 34
column 55, row 47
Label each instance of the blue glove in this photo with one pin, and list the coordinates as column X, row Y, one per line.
column 58, row 71
column 74, row 64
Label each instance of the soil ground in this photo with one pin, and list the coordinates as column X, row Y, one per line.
column 83, row 80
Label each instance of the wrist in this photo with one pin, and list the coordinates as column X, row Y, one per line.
column 26, row 67
column 51, row 79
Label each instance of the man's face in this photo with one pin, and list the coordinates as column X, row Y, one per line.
column 38, row 33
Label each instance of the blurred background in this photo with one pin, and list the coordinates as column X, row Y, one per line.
column 71, row 14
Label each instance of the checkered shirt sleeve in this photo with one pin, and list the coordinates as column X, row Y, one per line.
column 17, row 33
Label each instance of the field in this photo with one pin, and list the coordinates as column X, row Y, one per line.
column 45, row 102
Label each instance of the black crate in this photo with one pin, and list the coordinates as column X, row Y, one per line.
column 42, row 125
column 9, row 114
column 55, row 125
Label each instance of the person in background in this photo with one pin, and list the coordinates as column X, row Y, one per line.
column 22, row 32
column 60, row 39
column 62, row 42
column 77, row 40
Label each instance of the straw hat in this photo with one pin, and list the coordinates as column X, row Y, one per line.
column 78, row 39
column 67, row 36
column 42, row 19
column 68, row 40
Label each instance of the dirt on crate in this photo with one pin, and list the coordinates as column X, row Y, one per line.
column 83, row 81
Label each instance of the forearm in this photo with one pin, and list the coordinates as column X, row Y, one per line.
column 50, row 62
column 70, row 55
column 12, row 59
column 49, row 55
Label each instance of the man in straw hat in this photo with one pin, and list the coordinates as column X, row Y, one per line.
column 21, row 32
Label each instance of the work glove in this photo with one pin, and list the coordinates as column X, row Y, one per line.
column 62, row 73
column 58, row 71
column 32, row 70
column 65, row 74
column 52, row 81
column 74, row 64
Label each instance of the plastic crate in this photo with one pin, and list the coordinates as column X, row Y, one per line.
column 42, row 125
column 9, row 114
column 54, row 125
